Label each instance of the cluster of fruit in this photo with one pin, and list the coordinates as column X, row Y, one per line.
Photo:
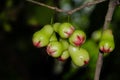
column 66, row 44
column 105, row 39
column 106, row 44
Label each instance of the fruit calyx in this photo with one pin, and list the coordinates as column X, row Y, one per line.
column 37, row 44
column 105, row 50
column 79, row 40
column 70, row 31
column 86, row 62
column 50, row 51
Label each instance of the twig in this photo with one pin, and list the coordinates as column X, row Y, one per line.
column 70, row 11
column 44, row 5
column 108, row 18
column 98, row 66
column 85, row 5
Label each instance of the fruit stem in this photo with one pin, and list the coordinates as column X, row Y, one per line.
column 68, row 18
column 51, row 21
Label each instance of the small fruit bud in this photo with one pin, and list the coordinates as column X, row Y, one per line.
column 96, row 35
column 53, row 37
column 64, row 43
column 56, row 27
column 64, row 56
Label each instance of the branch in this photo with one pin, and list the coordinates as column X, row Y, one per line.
column 98, row 66
column 70, row 11
column 108, row 18
column 44, row 5
column 111, row 8
column 85, row 5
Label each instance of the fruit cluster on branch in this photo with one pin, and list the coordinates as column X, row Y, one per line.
column 69, row 41
column 67, row 44
column 106, row 44
column 105, row 39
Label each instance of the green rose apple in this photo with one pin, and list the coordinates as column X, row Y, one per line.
column 54, row 49
column 106, row 44
column 96, row 35
column 41, row 37
column 53, row 37
column 77, row 38
column 65, row 43
column 107, row 35
column 79, row 56
column 64, row 56
column 65, row 30
column 56, row 26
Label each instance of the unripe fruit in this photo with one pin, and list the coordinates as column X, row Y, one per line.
column 53, row 37
column 54, row 49
column 106, row 44
column 96, row 35
column 65, row 30
column 64, row 56
column 107, row 35
column 79, row 56
column 77, row 38
column 64, row 43
column 32, row 21
column 41, row 37
column 56, row 26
